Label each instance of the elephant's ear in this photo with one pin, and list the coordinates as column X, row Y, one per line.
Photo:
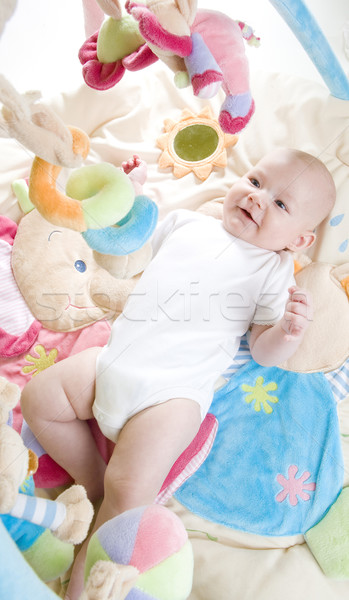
column 18, row 327
column 341, row 276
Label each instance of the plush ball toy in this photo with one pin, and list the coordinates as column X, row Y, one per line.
column 153, row 541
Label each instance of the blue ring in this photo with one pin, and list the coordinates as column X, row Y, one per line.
column 132, row 232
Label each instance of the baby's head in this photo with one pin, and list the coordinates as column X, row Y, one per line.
column 280, row 201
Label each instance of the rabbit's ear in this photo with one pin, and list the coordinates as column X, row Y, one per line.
column 111, row 8
column 188, row 9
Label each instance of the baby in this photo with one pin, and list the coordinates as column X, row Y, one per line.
column 209, row 281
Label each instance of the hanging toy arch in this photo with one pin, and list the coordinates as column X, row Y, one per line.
column 304, row 26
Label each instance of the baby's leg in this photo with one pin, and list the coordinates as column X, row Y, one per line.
column 56, row 404
column 147, row 447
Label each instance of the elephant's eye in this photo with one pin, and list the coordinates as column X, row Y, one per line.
column 80, row 266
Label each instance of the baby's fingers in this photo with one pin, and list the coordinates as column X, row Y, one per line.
column 299, row 294
column 295, row 322
column 298, row 308
column 301, row 302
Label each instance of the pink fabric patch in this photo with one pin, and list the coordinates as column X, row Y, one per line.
column 201, row 80
column 234, row 125
column 8, row 229
column 160, row 534
column 208, row 426
column 49, row 474
column 66, row 343
column 294, row 486
column 14, row 345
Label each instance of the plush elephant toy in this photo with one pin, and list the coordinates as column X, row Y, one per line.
column 61, row 298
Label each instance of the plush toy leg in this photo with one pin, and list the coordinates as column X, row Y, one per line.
column 78, row 515
column 49, row 556
column 203, row 70
column 329, row 539
column 16, row 577
column 224, row 40
column 236, row 112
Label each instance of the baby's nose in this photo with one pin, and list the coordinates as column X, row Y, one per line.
column 260, row 198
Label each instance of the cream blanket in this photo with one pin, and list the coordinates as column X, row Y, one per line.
column 289, row 112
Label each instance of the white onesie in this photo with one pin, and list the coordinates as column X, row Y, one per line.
column 181, row 326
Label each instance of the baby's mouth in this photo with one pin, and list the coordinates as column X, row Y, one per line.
column 247, row 214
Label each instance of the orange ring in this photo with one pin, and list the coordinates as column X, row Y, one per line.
column 52, row 204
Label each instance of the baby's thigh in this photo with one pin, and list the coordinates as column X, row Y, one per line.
column 66, row 388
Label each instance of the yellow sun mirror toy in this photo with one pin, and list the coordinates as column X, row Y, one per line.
column 194, row 143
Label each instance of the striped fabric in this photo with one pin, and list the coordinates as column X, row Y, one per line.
column 15, row 316
column 339, row 381
column 338, row 378
column 41, row 511
column 189, row 469
column 242, row 356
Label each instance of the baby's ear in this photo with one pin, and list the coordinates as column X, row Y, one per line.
column 303, row 241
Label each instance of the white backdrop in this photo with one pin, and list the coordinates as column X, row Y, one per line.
column 39, row 47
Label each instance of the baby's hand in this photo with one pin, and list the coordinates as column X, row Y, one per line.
column 298, row 313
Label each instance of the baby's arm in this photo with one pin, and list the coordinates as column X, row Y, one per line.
column 273, row 345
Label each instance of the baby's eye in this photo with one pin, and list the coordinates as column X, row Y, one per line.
column 281, row 204
column 254, row 182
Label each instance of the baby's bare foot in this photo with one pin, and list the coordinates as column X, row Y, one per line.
column 136, row 169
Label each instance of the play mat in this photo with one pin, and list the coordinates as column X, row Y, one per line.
column 266, row 508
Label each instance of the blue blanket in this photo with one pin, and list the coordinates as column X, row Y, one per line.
column 276, row 464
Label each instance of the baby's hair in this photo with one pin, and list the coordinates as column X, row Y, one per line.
column 326, row 194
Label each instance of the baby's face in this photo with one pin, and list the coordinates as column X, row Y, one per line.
column 273, row 204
